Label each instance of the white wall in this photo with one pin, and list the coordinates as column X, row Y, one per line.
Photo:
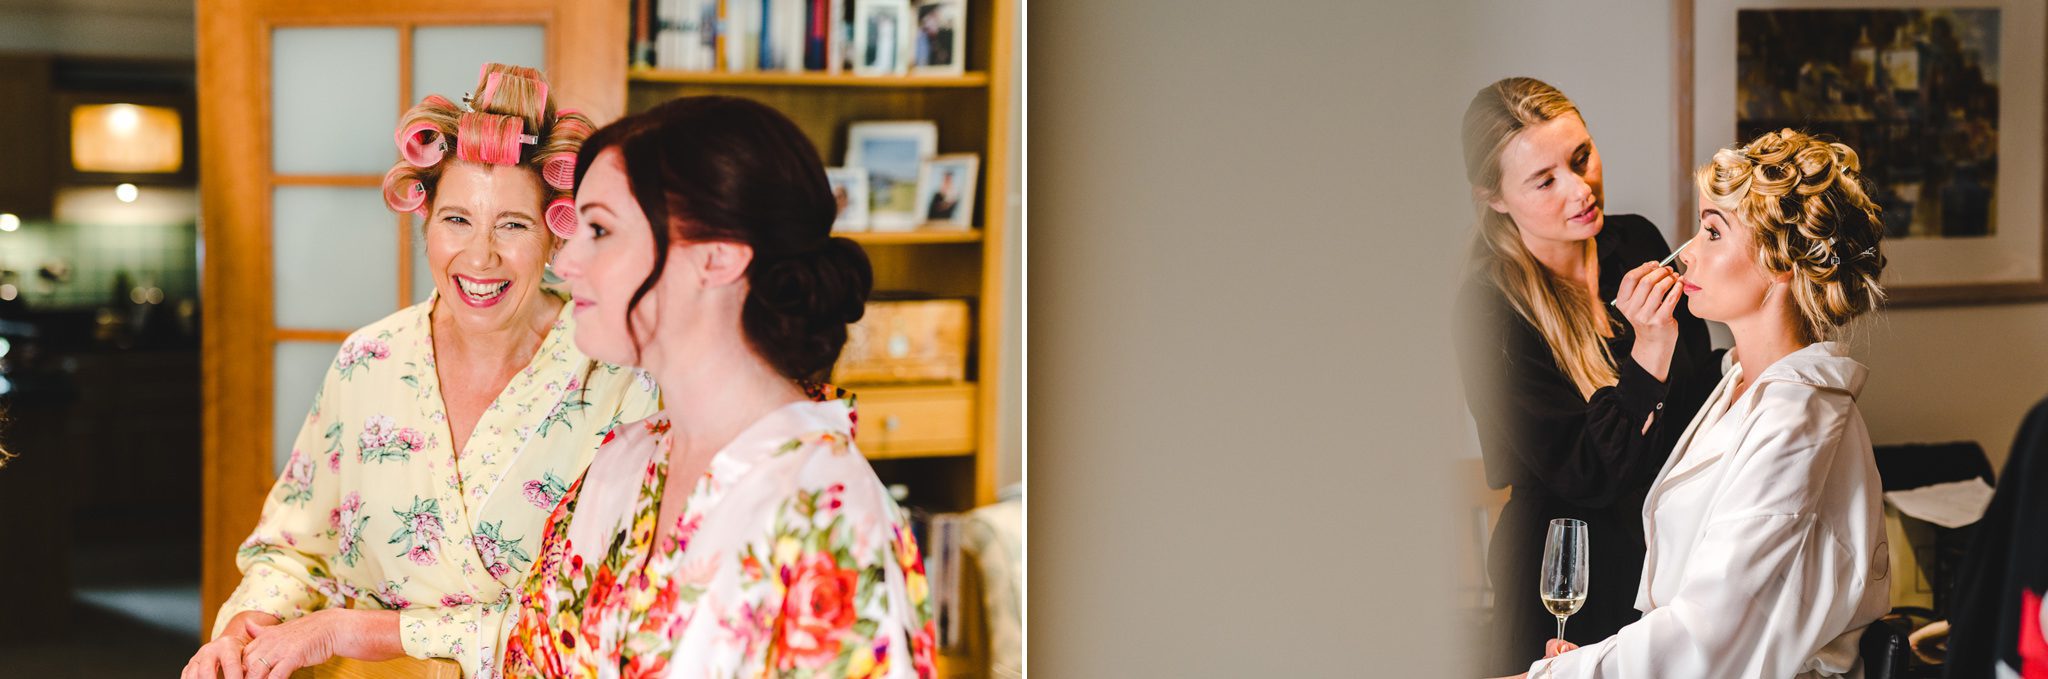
column 1614, row 59
column 1941, row 374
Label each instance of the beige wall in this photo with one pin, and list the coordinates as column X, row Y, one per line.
column 1955, row 373
column 1010, row 413
column 1941, row 374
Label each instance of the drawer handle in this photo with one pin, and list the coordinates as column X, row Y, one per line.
column 891, row 422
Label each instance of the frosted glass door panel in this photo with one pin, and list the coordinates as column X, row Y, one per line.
column 422, row 274
column 446, row 59
column 333, row 100
column 299, row 368
column 334, row 253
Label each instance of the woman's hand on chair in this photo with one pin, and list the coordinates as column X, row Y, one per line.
column 222, row 657
column 278, row 651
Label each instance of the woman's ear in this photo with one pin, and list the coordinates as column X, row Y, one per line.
column 1490, row 198
column 725, row 263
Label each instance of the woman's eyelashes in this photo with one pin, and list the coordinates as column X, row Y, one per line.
column 1713, row 233
column 597, row 231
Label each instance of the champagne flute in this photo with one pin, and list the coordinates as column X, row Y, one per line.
column 1564, row 570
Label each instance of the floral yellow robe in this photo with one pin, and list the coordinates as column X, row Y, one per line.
column 789, row 560
column 375, row 511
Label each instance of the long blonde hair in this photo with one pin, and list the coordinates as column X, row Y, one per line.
column 1803, row 198
column 1560, row 309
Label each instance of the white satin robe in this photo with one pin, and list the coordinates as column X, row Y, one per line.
column 1767, row 554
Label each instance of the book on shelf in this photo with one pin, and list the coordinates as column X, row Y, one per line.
column 642, row 49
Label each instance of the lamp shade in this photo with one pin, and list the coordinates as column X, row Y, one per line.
column 126, row 138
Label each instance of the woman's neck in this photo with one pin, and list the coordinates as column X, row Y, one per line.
column 1761, row 340
column 512, row 344
column 713, row 398
column 1564, row 259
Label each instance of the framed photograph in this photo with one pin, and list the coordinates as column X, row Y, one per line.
column 882, row 34
column 850, row 188
column 945, row 189
column 892, row 152
column 1942, row 101
column 941, row 37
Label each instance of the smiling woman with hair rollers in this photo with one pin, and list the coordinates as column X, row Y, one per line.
column 443, row 434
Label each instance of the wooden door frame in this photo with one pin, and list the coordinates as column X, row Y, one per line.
column 586, row 58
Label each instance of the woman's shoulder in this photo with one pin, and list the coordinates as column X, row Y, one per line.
column 407, row 323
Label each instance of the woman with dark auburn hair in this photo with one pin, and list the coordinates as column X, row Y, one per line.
column 739, row 532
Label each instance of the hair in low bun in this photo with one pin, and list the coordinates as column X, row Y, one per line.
column 798, row 306
column 711, row 168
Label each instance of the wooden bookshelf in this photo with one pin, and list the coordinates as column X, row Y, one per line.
column 920, row 236
column 805, row 79
column 973, row 110
column 939, row 440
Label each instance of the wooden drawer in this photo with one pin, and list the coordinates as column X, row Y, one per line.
column 906, row 342
column 915, row 421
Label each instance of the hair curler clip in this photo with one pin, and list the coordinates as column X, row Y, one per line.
column 561, row 217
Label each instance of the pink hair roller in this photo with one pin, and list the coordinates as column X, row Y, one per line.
column 406, row 196
column 421, row 144
column 561, row 217
column 560, row 172
column 488, row 138
column 491, row 81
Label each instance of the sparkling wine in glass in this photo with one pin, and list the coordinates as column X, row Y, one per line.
column 1564, row 570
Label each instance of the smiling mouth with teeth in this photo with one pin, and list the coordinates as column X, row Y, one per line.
column 481, row 291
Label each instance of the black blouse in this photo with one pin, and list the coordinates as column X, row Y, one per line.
column 1566, row 456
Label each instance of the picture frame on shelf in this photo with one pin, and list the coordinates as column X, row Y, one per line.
column 893, row 153
column 882, row 35
column 941, row 38
column 1932, row 96
column 945, row 190
column 850, row 189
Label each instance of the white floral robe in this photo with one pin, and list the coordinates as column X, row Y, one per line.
column 375, row 510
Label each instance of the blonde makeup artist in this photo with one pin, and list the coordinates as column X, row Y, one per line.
column 1577, row 400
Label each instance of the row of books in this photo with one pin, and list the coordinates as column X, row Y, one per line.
column 863, row 36
column 739, row 35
